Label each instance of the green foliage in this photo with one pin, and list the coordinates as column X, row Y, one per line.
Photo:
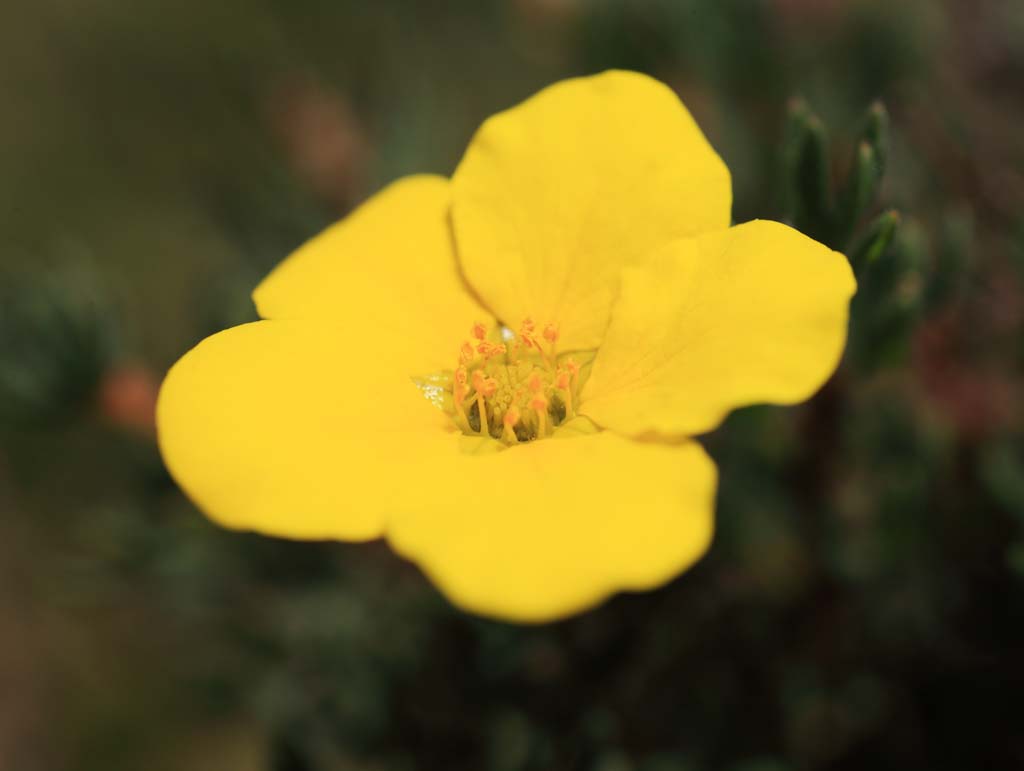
column 57, row 338
column 813, row 205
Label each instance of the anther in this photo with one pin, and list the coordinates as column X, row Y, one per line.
column 574, row 370
column 484, row 387
column 489, row 350
column 459, row 393
column 526, row 330
column 540, row 405
column 512, row 383
column 563, row 382
column 510, row 420
column 515, row 350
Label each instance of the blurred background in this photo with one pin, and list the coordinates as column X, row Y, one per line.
column 863, row 603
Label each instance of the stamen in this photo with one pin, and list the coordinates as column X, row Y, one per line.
column 563, row 384
column 526, row 330
column 520, row 390
column 540, row 405
column 459, row 393
column 510, row 420
column 484, row 387
column 517, row 347
column 574, row 370
column 526, row 334
column 489, row 350
column 538, row 402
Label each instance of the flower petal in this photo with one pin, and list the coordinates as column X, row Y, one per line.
column 294, row 429
column 554, row 196
column 550, row 528
column 755, row 313
column 387, row 268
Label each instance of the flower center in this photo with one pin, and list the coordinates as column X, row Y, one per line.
column 512, row 387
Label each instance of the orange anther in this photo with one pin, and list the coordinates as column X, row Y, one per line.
column 459, row 393
column 563, row 382
column 511, row 416
column 526, row 333
column 551, row 333
column 479, row 331
column 539, row 404
column 483, row 385
column 573, row 367
column 489, row 350
column 535, row 384
column 466, row 353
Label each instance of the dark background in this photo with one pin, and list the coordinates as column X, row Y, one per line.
column 863, row 603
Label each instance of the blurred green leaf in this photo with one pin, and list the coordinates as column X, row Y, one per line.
column 808, row 171
column 859, row 190
column 890, row 296
column 952, row 260
column 876, row 134
column 874, row 241
column 1001, row 468
column 57, row 338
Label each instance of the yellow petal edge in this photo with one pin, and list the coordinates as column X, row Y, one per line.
column 753, row 314
column 268, row 427
column 550, row 528
column 389, row 270
column 553, row 197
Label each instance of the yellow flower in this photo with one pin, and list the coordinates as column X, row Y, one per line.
column 499, row 372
